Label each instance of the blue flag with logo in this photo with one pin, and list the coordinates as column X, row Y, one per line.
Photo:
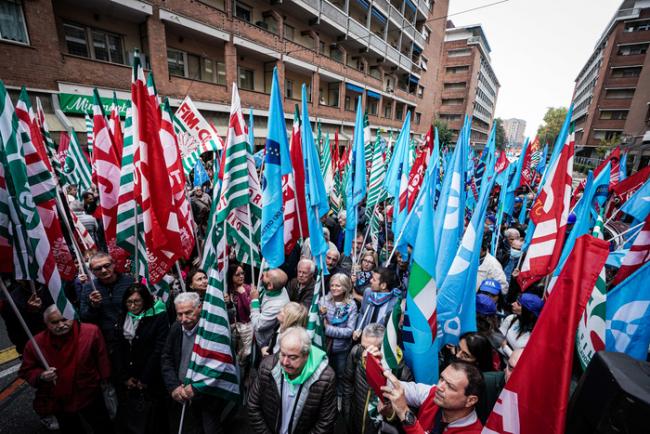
column 316, row 197
column 622, row 172
column 542, row 161
column 355, row 188
column 628, row 315
column 638, row 205
column 200, row 175
column 277, row 163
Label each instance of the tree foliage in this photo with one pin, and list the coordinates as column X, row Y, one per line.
column 500, row 137
column 553, row 120
column 445, row 135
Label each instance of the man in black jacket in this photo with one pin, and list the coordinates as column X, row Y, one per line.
column 295, row 391
column 202, row 412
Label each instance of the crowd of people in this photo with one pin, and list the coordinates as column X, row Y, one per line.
column 121, row 366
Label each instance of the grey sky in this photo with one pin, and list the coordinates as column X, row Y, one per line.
column 538, row 49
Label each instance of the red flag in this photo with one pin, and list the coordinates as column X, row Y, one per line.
column 549, row 213
column 62, row 150
column 115, row 125
column 638, row 254
column 293, row 193
column 502, row 162
column 526, row 169
column 334, row 149
column 415, row 178
column 535, row 399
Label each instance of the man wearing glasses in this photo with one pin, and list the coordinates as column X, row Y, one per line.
column 103, row 306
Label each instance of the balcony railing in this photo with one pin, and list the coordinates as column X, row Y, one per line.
column 392, row 54
column 383, row 4
column 378, row 44
column 419, row 39
column 359, row 31
column 333, row 13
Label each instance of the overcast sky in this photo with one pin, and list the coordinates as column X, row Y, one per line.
column 538, row 49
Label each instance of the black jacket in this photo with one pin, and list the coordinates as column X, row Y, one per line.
column 140, row 358
column 318, row 414
column 170, row 359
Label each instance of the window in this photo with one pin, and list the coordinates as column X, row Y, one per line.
column 418, row 118
column 12, row 22
column 632, row 50
column 193, row 67
column 613, row 114
column 631, row 71
column 288, row 88
column 207, row 70
column 449, row 117
column 452, row 101
column 333, row 94
column 221, row 73
column 637, row 26
column 246, row 79
column 399, row 112
column 372, row 105
column 457, row 69
column 321, row 47
column 459, row 53
column 351, row 103
column 288, row 32
column 455, row 86
column 243, row 12
column 619, row 93
column 336, row 54
column 388, row 109
column 176, row 62
column 217, row 4
column 93, row 43
column 420, row 91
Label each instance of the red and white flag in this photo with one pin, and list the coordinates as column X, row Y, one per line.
column 106, row 175
column 549, row 213
column 293, row 193
column 502, row 162
column 416, row 176
column 638, row 254
column 535, row 398
column 154, row 185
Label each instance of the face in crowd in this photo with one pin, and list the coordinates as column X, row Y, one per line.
column 188, row 314
column 103, row 268
column 57, row 324
column 450, row 392
column 304, row 275
column 292, row 358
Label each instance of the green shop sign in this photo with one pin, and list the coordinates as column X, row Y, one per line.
column 83, row 104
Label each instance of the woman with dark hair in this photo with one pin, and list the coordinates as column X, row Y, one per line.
column 142, row 332
column 518, row 326
column 197, row 281
column 362, row 274
column 239, row 294
column 475, row 348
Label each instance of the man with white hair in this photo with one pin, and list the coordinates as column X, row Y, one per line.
column 301, row 287
column 265, row 307
column 70, row 388
column 203, row 415
column 294, row 391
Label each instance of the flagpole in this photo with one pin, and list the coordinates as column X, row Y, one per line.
column 399, row 237
column 250, row 240
column 372, row 216
column 180, row 277
column 322, row 275
column 626, row 231
column 136, row 233
column 354, row 239
column 180, row 424
column 29, row 334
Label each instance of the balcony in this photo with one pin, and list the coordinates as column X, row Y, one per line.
column 358, row 31
column 419, row 39
column 405, row 62
column 392, row 54
column 383, row 5
column 333, row 14
column 378, row 45
column 311, row 5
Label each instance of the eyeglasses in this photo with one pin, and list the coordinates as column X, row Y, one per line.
column 239, row 273
column 134, row 302
column 102, row 267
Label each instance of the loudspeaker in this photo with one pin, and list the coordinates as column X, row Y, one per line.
column 613, row 396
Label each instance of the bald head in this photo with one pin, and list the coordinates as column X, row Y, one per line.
column 275, row 279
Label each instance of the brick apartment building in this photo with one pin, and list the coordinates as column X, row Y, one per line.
column 612, row 92
column 515, row 130
column 469, row 85
column 384, row 51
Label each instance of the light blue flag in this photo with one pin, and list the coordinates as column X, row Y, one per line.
column 430, row 182
column 622, row 174
column 628, row 315
column 638, row 205
column 522, row 211
column 418, row 332
column 200, row 175
column 457, row 294
column 355, row 188
column 509, row 203
column 449, row 217
column 316, row 197
column 277, row 164
column 251, row 133
column 541, row 166
column 502, row 199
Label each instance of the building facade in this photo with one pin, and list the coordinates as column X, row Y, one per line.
column 612, row 91
column 515, row 130
column 384, row 52
column 468, row 83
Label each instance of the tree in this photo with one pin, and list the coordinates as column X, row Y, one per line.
column 445, row 135
column 553, row 120
column 500, row 138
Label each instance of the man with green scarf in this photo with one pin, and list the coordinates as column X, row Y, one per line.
column 295, row 391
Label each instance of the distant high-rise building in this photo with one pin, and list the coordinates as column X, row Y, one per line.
column 514, row 130
column 469, row 85
column 612, row 90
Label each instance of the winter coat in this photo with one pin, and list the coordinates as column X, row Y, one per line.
column 315, row 411
column 340, row 335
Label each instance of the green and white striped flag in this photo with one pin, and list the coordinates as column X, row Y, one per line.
column 390, row 351
column 315, row 327
column 367, row 145
column 38, row 119
column 212, row 368
column 326, row 165
column 89, row 134
column 377, row 174
column 13, row 236
column 590, row 337
column 77, row 169
column 126, row 203
column 240, row 189
column 20, row 187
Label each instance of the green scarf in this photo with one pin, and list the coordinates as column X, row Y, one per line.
column 316, row 356
column 158, row 307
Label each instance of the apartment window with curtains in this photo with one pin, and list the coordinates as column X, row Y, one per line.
column 12, row 22
column 246, row 78
column 93, row 43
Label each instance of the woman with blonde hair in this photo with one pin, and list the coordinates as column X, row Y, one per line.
column 292, row 315
column 339, row 313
